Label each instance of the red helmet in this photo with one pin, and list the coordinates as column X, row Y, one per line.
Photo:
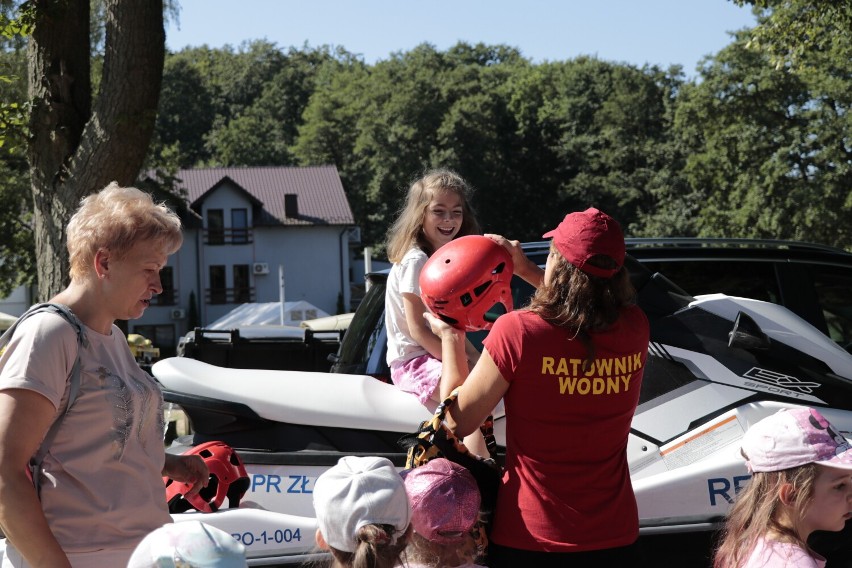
column 228, row 477
column 464, row 279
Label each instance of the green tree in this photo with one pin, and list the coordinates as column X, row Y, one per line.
column 383, row 125
column 234, row 107
column 15, row 26
column 669, row 205
column 330, row 125
column 796, row 33
column 192, row 318
column 16, row 237
column 184, row 118
column 399, row 111
column 569, row 134
column 479, row 136
column 588, row 132
column 769, row 153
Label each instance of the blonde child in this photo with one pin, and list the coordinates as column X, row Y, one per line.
column 363, row 514
column 801, row 482
column 445, row 503
column 437, row 210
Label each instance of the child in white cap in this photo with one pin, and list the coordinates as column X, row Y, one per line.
column 362, row 512
column 801, row 482
column 445, row 504
column 188, row 544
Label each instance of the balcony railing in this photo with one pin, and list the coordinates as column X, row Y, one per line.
column 165, row 298
column 229, row 295
column 228, row 236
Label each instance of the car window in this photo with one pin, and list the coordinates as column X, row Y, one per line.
column 756, row 280
column 832, row 285
column 363, row 331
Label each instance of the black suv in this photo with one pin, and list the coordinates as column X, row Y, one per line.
column 814, row 281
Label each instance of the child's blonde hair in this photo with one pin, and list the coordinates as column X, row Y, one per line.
column 424, row 552
column 116, row 218
column 376, row 549
column 406, row 231
column 754, row 513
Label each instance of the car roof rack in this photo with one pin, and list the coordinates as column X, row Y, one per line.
column 721, row 242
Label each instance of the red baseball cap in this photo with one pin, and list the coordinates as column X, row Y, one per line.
column 583, row 235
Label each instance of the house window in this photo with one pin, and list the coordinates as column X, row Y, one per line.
column 215, row 227
column 218, row 292
column 239, row 226
column 168, row 297
column 242, row 288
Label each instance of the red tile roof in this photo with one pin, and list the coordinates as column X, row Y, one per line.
column 321, row 199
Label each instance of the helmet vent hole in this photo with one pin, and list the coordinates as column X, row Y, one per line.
column 466, row 299
column 479, row 290
column 209, row 492
column 499, row 268
column 448, row 319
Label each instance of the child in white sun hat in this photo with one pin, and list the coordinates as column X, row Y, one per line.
column 362, row 512
column 801, row 482
column 188, row 544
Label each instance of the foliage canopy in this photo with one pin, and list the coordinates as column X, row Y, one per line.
column 759, row 144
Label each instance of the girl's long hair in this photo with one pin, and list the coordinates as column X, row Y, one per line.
column 376, row 548
column 406, row 231
column 754, row 514
column 581, row 302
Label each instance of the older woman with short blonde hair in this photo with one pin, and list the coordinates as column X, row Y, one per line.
column 99, row 489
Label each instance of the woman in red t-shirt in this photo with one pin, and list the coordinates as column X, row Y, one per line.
column 569, row 368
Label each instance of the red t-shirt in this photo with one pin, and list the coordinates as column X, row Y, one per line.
column 566, row 487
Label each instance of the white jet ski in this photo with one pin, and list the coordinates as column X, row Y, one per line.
column 716, row 365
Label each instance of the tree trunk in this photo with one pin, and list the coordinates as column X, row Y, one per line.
column 75, row 150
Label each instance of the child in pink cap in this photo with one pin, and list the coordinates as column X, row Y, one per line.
column 445, row 504
column 801, row 482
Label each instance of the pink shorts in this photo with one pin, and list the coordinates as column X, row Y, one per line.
column 419, row 376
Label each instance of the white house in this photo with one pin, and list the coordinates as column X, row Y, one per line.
column 243, row 227
column 246, row 227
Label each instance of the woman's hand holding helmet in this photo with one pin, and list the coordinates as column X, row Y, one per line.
column 441, row 328
column 189, row 469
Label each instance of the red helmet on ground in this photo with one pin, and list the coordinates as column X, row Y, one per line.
column 464, row 279
column 228, row 478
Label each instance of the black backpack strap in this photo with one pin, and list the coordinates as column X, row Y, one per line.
column 73, row 378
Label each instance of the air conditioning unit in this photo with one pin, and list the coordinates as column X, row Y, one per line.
column 178, row 313
column 260, row 268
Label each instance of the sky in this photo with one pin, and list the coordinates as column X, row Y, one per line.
column 660, row 32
